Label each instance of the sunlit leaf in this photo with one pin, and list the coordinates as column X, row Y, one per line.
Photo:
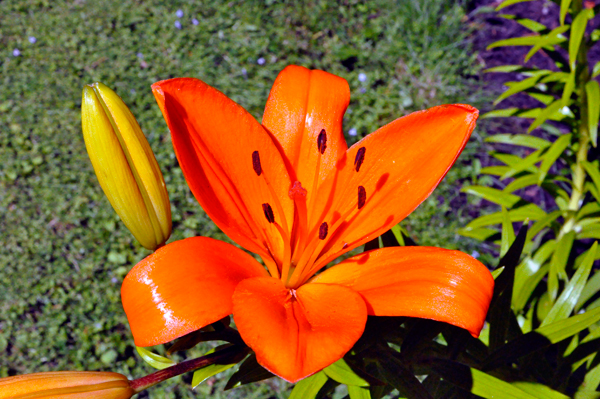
column 524, row 140
column 568, row 298
column 540, row 391
column 493, row 195
column 553, row 153
column 204, row 373
column 356, row 392
column 309, row 387
column 508, row 233
column 507, row 3
column 559, row 262
column 577, row 30
column 249, row 371
column 154, row 360
column 341, row 372
column 592, row 90
column 564, row 9
column 505, row 68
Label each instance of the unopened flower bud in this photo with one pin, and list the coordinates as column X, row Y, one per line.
column 66, row 385
column 125, row 165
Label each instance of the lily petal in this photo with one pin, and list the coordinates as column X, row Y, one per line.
column 302, row 102
column 426, row 282
column 296, row 333
column 214, row 140
column 401, row 164
column 183, row 287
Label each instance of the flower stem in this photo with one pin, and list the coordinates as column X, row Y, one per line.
column 228, row 355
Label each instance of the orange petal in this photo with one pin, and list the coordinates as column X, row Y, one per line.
column 297, row 333
column 426, row 282
column 302, row 102
column 403, row 162
column 214, row 139
column 183, row 287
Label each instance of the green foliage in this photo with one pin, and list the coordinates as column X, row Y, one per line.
column 64, row 252
column 555, row 279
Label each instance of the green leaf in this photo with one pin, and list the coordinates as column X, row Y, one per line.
column 480, row 233
column 477, row 382
column 559, row 262
column 493, row 195
column 504, row 68
column 517, row 87
column 568, row 89
column 591, row 288
column 543, row 222
column 592, row 90
column 596, row 70
column 529, row 211
column 540, row 391
column 542, row 337
column 249, row 371
column 154, row 360
column 204, row 373
column 564, row 9
column 507, row 3
column 547, row 41
column 529, row 273
column 497, row 272
column 553, row 153
column 524, row 140
column 341, row 372
column 568, row 298
column 525, row 164
column 508, row 233
column 521, row 182
column 358, row 392
column 393, row 372
column 516, row 41
column 531, row 24
column 309, row 387
column 551, row 109
column 577, row 31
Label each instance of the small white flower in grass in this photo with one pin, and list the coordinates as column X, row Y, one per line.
column 260, row 61
column 32, row 39
column 140, row 56
column 475, row 254
column 179, row 13
column 195, row 21
column 352, row 132
column 362, row 77
column 114, row 280
column 16, row 52
column 362, row 90
column 178, row 24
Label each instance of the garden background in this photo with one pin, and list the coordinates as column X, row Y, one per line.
column 64, row 252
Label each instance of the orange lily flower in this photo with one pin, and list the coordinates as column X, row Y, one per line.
column 292, row 192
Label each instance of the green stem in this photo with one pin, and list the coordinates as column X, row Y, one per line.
column 229, row 355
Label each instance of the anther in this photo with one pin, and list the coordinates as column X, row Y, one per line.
column 360, row 157
column 323, row 231
column 256, row 163
column 322, row 141
column 268, row 213
column 362, row 196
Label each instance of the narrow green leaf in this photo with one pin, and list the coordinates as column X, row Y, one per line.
column 341, row 372
column 568, row 89
column 497, row 272
column 551, row 109
column 358, row 392
column 529, row 274
column 481, row 233
column 596, row 70
column 592, row 379
column 541, row 97
column 500, row 113
column 592, row 90
column 529, row 211
column 559, row 262
column 531, row 24
column 516, row 41
column 249, row 371
column 504, row 68
column 477, row 382
column 204, row 373
column 577, row 31
column 508, row 233
column 526, row 164
column 560, row 77
column 309, row 387
column 521, row 182
column 540, row 391
column 553, row 153
column 154, row 360
column 493, row 195
column 542, row 337
column 524, row 140
column 507, row 3
column 568, row 298
column 564, row 9
column 393, row 372
column 543, row 222
column 517, row 87
column 548, row 41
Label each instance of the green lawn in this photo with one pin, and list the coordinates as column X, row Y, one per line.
column 64, row 252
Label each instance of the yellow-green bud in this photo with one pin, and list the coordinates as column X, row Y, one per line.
column 65, row 385
column 125, row 165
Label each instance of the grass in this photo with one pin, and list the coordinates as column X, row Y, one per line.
column 64, row 252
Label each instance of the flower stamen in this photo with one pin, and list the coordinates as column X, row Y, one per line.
column 359, row 159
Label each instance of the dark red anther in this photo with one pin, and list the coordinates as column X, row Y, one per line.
column 268, row 213
column 256, row 163
column 322, row 141
column 360, row 157
column 362, row 196
column 323, row 231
